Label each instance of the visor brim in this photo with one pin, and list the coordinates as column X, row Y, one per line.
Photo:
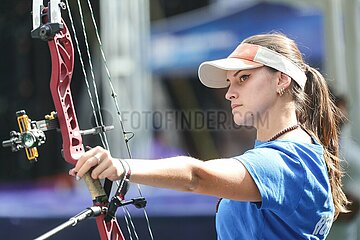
column 213, row 73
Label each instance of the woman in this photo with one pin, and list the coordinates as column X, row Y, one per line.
column 289, row 185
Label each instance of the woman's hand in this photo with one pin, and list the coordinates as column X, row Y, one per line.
column 100, row 163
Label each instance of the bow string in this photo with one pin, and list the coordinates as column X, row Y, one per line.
column 126, row 134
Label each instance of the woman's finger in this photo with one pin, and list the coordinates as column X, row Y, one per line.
column 87, row 165
column 113, row 173
column 101, row 167
column 85, row 157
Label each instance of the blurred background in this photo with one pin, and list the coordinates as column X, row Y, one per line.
column 153, row 49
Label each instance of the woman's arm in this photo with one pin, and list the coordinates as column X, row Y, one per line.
column 226, row 178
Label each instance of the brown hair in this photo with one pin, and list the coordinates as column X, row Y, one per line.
column 315, row 110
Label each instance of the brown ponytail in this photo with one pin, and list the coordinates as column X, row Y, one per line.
column 315, row 110
column 319, row 114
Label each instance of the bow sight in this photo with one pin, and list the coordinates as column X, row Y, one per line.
column 31, row 134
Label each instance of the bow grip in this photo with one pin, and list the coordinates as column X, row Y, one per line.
column 97, row 192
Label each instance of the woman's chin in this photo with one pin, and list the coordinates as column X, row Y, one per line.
column 244, row 122
column 241, row 122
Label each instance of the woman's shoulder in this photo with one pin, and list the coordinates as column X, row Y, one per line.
column 288, row 146
column 285, row 152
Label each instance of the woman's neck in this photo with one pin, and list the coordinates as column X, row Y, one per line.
column 275, row 122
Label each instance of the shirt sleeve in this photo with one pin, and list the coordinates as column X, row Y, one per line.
column 279, row 177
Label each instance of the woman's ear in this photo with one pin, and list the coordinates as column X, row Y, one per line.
column 284, row 81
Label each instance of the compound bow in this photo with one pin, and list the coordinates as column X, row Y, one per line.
column 49, row 26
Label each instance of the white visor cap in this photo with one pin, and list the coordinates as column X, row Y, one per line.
column 248, row 56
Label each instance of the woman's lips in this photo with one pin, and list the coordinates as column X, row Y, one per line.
column 235, row 106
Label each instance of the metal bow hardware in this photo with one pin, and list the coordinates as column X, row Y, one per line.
column 49, row 26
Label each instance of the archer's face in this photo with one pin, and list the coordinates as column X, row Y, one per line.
column 251, row 93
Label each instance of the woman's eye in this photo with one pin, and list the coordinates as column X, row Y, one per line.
column 244, row 78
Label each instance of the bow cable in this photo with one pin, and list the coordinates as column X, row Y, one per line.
column 102, row 134
column 102, row 137
column 114, row 96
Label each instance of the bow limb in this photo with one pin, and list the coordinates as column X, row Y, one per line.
column 62, row 58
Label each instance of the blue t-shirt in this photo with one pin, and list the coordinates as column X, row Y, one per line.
column 296, row 197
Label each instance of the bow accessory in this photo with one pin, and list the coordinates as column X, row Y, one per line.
column 49, row 26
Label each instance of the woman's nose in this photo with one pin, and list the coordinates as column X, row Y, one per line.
column 230, row 94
